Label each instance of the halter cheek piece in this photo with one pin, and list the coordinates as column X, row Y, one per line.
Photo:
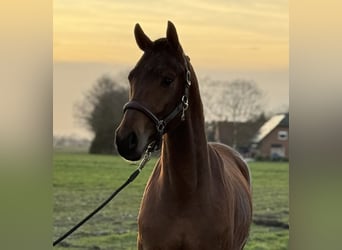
column 161, row 124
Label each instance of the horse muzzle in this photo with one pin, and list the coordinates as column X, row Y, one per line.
column 127, row 146
column 133, row 135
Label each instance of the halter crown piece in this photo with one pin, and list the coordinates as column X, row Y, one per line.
column 161, row 124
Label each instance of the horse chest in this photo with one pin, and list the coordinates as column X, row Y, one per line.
column 165, row 225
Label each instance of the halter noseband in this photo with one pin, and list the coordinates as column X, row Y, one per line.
column 161, row 124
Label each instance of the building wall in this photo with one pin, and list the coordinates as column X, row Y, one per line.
column 272, row 139
column 245, row 132
column 223, row 133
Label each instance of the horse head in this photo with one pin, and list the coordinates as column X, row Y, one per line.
column 158, row 95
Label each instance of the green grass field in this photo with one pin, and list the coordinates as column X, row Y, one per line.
column 81, row 182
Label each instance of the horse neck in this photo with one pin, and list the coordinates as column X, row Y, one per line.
column 184, row 157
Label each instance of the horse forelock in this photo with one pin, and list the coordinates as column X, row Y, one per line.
column 162, row 45
column 160, row 57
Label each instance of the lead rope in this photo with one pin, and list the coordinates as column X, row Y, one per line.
column 147, row 157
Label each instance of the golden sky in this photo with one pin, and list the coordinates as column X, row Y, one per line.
column 239, row 34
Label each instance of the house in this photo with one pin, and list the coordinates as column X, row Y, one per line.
column 272, row 139
column 238, row 134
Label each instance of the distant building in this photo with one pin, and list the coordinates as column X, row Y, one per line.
column 244, row 132
column 272, row 139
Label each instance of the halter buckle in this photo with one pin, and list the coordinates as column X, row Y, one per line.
column 185, row 102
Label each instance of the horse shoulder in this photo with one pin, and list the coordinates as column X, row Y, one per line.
column 231, row 159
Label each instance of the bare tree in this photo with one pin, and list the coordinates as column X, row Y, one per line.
column 237, row 101
column 101, row 112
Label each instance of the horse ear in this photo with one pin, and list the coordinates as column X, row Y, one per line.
column 171, row 35
column 141, row 38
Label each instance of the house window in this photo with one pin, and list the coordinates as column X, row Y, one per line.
column 282, row 135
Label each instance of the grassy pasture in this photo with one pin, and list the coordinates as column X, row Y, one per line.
column 81, row 182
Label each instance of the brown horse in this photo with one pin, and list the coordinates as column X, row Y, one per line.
column 198, row 196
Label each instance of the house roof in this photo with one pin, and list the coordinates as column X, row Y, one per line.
column 273, row 122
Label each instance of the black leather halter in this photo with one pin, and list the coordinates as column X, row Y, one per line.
column 161, row 124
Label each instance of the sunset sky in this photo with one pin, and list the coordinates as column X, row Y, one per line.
column 225, row 39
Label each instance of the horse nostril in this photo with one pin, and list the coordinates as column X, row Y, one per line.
column 132, row 141
column 127, row 146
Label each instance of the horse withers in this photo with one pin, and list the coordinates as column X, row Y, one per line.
column 199, row 194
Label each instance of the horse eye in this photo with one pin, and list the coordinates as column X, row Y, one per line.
column 166, row 81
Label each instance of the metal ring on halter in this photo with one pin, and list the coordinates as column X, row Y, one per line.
column 188, row 77
column 160, row 127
